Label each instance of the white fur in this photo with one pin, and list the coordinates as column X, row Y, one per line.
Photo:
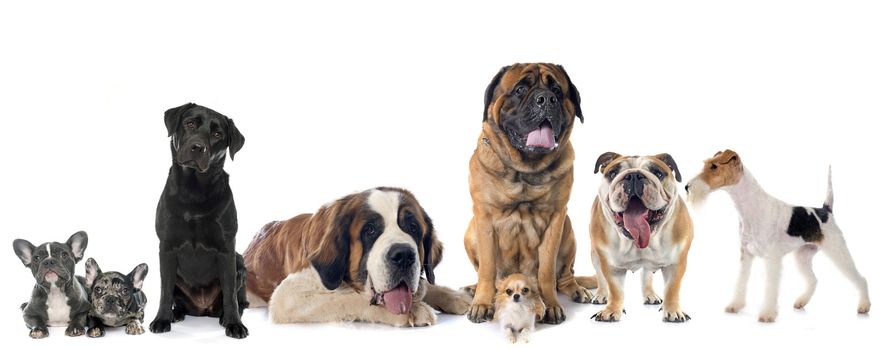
column 516, row 320
column 57, row 307
column 387, row 205
column 49, row 249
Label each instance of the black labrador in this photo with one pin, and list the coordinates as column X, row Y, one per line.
column 201, row 273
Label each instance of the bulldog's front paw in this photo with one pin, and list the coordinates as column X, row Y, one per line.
column 39, row 333
column 554, row 315
column 160, row 326
column 608, row 315
column 600, row 297
column 674, row 314
column 95, row 332
column 652, row 299
column 134, row 328
column 767, row 316
column 421, row 315
column 581, row 295
column 480, row 312
column 735, row 307
column 236, row 330
column 74, row 331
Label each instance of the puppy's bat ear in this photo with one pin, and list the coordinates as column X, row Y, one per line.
column 432, row 249
column 668, row 160
column 24, row 250
column 604, row 160
column 137, row 276
column 173, row 117
column 92, row 272
column 77, row 244
column 331, row 254
column 491, row 88
column 573, row 95
column 236, row 140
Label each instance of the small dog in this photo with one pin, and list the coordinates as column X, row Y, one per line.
column 59, row 298
column 117, row 299
column 771, row 228
column 518, row 306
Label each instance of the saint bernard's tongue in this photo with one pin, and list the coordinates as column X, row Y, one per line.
column 542, row 137
column 398, row 299
column 635, row 220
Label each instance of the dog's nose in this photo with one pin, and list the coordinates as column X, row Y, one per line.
column 110, row 300
column 50, row 262
column 546, row 97
column 634, row 183
column 516, row 297
column 401, row 255
column 197, row 147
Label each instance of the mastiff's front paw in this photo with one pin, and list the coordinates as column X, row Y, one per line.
column 554, row 315
column 480, row 312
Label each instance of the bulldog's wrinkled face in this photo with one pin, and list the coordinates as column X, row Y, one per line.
column 722, row 170
column 637, row 192
column 201, row 137
column 52, row 263
column 113, row 294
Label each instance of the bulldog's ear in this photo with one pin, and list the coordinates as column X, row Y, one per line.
column 489, row 91
column 137, row 276
column 24, row 250
column 92, row 272
column 236, row 139
column 668, row 160
column 332, row 251
column 432, row 250
column 173, row 117
column 573, row 95
column 604, row 160
column 77, row 244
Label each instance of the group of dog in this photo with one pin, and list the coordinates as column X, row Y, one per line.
column 370, row 256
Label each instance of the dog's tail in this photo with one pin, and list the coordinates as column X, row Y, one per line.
column 829, row 200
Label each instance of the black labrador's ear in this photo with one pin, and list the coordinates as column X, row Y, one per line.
column 137, row 276
column 236, row 140
column 77, row 243
column 604, row 160
column 173, row 117
column 24, row 250
column 489, row 91
column 573, row 95
column 92, row 272
column 668, row 160
column 432, row 250
column 331, row 255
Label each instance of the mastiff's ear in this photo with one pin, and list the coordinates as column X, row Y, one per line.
column 77, row 244
column 236, row 140
column 24, row 250
column 173, row 117
column 489, row 91
column 137, row 276
column 668, row 160
column 432, row 249
column 573, row 95
column 332, row 248
column 92, row 272
column 604, row 160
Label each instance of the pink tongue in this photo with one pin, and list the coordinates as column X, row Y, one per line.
column 398, row 300
column 635, row 220
column 541, row 137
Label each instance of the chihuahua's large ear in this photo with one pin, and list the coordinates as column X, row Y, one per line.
column 24, row 250
column 137, row 276
column 331, row 243
column 92, row 272
column 432, row 250
column 604, row 160
column 573, row 95
column 77, row 243
column 173, row 117
column 236, row 139
column 668, row 160
column 489, row 91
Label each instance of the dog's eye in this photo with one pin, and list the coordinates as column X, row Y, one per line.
column 369, row 230
column 658, row 173
column 520, row 90
column 713, row 167
column 124, row 291
column 190, row 124
column 508, row 292
column 556, row 90
column 99, row 290
column 217, row 135
column 612, row 173
column 37, row 258
column 524, row 290
column 64, row 255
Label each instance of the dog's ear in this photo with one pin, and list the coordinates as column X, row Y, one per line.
column 173, row 117
column 489, row 91
column 573, row 95
column 236, row 140
column 24, row 250
column 92, row 272
column 432, row 249
column 77, row 243
column 332, row 248
column 668, row 160
column 137, row 276
column 604, row 160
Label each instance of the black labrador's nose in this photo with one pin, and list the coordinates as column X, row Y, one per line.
column 197, row 147
column 634, row 183
column 401, row 255
column 545, row 97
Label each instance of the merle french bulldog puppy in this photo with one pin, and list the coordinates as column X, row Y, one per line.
column 59, row 298
column 117, row 299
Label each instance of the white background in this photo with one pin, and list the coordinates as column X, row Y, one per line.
column 337, row 97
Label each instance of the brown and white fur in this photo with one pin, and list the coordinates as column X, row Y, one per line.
column 359, row 258
column 639, row 194
column 518, row 306
column 771, row 228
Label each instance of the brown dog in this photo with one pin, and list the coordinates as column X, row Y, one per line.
column 359, row 258
column 520, row 178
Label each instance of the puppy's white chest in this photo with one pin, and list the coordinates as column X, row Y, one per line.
column 57, row 308
column 516, row 315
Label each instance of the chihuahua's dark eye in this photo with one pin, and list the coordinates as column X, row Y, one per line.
column 524, row 290
column 508, row 292
column 217, row 135
column 713, row 167
column 190, row 124
column 520, row 90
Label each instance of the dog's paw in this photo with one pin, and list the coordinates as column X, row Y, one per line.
column 134, row 328
column 767, row 316
column 95, row 332
column 675, row 315
column 39, row 333
column 74, row 331
column 178, row 315
column 236, row 331
column 554, row 315
column 599, row 298
column 470, row 290
column 652, row 299
column 459, row 304
column 160, row 326
column 735, row 307
column 480, row 312
column 608, row 315
column 864, row 307
column 421, row 315
column 581, row 295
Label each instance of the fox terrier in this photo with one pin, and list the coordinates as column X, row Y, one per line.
column 771, row 228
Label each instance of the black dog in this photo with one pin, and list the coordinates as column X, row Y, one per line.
column 201, row 274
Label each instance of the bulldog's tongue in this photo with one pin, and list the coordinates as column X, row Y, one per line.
column 398, row 300
column 541, row 137
column 635, row 220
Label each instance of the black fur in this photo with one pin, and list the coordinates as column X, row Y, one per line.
column 573, row 95
column 333, row 272
column 805, row 224
column 489, row 91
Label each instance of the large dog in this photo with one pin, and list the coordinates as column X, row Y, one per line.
column 639, row 222
column 520, row 177
column 201, row 274
column 359, row 258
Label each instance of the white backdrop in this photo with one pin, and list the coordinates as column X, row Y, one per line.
column 336, row 97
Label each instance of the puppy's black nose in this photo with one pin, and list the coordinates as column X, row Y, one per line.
column 50, row 262
column 401, row 255
column 546, row 97
column 197, row 148
column 110, row 300
column 516, row 297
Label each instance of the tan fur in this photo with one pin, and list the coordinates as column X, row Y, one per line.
column 516, row 282
column 724, row 169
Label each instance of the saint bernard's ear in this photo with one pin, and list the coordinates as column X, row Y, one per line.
column 432, row 249
column 332, row 243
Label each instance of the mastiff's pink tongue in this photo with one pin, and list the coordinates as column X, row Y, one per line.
column 398, row 299
column 635, row 220
column 541, row 137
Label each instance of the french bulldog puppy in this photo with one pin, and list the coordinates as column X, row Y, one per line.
column 117, row 299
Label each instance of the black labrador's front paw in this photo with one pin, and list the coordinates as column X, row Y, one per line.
column 160, row 326
column 236, row 331
column 74, row 331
